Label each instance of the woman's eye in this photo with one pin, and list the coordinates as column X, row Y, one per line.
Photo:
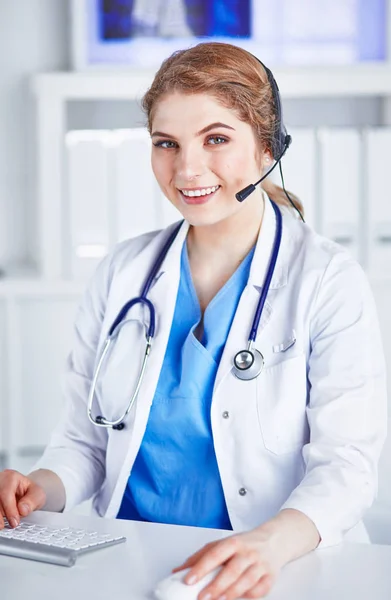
column 165, row 144
column 216, row 140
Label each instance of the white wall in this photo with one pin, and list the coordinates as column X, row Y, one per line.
column 33, row 38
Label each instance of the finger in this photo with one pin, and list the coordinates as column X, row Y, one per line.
column 194, row 557
column 9, row 507
column 231, row 574
column 213, row 558
column 33, row 499
column 244, row 584
column 2, row 514
column 262, row 588
column 13, row 485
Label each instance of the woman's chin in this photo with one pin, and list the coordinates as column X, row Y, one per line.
column 204, row 219
column 202, row 212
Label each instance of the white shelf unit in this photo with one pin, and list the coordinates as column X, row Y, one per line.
column 365, row 79
column 36, row 330
column 54, row 90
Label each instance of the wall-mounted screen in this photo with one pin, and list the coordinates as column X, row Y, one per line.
column 140, row 33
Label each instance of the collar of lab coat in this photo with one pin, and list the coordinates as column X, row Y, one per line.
column 240, row 329
column 264, row 248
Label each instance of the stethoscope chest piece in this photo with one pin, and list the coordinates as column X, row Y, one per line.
column 248, row 364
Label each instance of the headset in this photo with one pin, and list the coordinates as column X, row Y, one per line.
column 280, row 142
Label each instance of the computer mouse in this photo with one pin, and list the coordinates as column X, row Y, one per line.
column 174, row 588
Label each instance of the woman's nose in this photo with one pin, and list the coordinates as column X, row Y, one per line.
column 190, row 164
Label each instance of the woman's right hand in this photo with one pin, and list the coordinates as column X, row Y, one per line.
column 19, row 496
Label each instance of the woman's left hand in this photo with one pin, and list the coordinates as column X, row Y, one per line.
column 250, row 562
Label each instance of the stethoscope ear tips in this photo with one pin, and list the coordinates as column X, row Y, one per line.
column 119, row 427
column 247, row 364
column 102, row 421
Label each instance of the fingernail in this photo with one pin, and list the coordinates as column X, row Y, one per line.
column 207, row 597
column 191, row 580
column 24, row 509
column 222, row 598
column 13, row 522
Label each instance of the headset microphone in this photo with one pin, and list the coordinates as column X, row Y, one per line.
column 245, row 192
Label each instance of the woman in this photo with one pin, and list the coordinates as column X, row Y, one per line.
column 287, row 459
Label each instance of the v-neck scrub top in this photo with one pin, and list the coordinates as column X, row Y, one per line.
column 175, row 477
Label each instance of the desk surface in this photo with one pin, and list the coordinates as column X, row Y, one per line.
column 130, row 571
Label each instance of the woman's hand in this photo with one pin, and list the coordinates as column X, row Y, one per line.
column 251, row 561
column 250, row 566
column 19, row 496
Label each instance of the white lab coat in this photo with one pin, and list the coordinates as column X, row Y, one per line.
column 306, row 434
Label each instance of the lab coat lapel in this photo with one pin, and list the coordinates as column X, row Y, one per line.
column 163, row 295
column 240, row 330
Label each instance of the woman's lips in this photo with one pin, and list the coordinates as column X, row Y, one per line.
column 198, row 199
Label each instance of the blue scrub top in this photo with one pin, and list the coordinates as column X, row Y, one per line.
column 175, row 477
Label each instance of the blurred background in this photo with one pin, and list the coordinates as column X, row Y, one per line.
column 75, row 176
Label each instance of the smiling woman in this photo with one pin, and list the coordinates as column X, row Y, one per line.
column 263, row 405
column 206, row 147
column 248, row 97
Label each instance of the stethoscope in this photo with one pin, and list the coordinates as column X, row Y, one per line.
column 247, row 364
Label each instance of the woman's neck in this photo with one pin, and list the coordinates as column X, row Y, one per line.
column 226, row 242
column 216, row 251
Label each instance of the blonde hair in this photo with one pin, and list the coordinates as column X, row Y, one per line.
column 236, row 79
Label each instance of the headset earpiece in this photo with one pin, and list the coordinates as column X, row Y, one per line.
column 281, row 139
column 279, row 143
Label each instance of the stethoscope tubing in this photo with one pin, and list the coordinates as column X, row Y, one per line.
column 269, row 275
column 101, row 421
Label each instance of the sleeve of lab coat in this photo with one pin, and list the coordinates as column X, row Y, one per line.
column 76, row 452
column 347, row 410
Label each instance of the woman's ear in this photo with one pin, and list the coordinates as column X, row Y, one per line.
column 263, row 157
column 266, row 162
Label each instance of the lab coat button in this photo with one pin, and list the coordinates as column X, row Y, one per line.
column 242, row 491
column 226, row 414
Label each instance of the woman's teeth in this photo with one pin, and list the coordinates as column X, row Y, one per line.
column 201, row 192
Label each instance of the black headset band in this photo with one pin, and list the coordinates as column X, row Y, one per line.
column 280, row 139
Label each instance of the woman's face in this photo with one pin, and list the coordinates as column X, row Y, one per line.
column 202, row 155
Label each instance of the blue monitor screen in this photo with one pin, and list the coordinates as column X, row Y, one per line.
column 283, row 32
column 126, row 19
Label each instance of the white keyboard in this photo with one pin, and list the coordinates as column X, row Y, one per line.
column 59, row 546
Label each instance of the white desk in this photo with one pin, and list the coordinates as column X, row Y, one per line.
column 130, row 571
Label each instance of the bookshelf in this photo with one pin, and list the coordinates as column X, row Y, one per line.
column 52, row 92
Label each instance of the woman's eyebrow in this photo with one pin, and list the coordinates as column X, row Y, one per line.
column 204, row 130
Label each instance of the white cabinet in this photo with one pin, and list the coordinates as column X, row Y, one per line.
column 382, row 292
column 379, row 208
column 379, row 517
column 36, row 327
column 340, row 184
column 45, row 334
column 3, row 369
